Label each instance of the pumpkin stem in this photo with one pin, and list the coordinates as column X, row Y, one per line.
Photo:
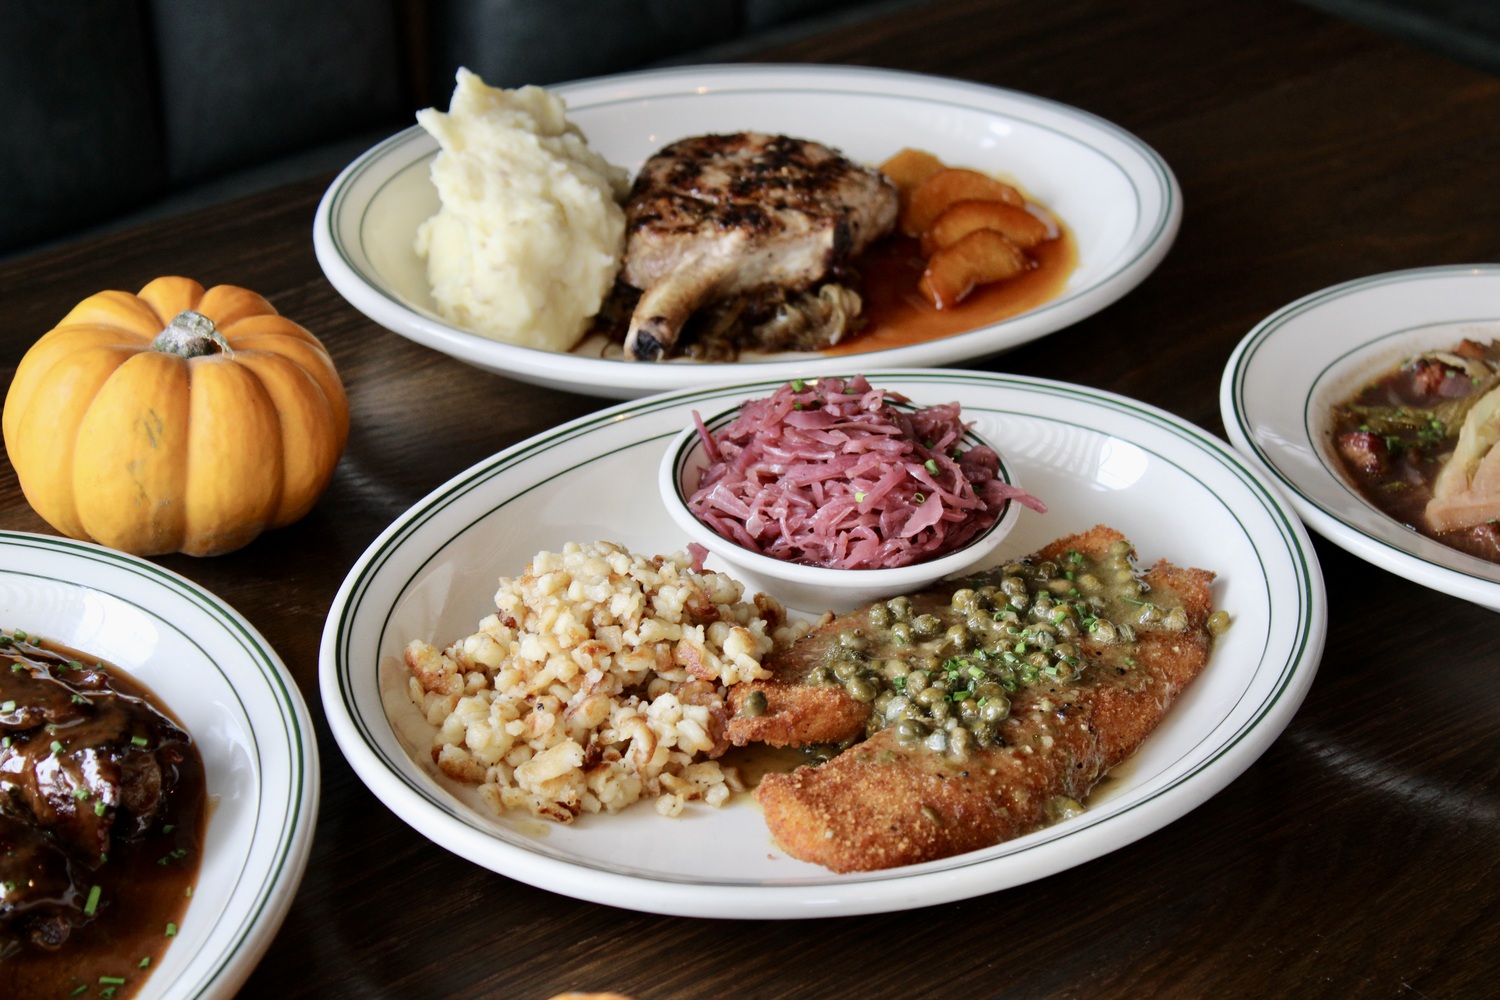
column 191, row 335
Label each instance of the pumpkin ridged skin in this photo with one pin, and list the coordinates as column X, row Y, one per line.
column 145, row 451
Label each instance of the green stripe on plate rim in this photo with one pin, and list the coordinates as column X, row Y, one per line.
column 1271, row 325
column 257, row 654
column 1154, row 161
column 1287, row 527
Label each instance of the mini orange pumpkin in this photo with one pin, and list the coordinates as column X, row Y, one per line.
column 176, row 420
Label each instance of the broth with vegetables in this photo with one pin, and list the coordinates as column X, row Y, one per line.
column 1395, row 436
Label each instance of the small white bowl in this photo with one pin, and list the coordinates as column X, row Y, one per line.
column 814, row 589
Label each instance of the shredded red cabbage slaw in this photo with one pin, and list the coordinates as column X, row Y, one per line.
column 837, row 473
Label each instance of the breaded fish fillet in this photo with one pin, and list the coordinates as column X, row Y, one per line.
column 886, row 802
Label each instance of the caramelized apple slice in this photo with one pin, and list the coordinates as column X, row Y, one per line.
column 979, row 258
column 937, row 193
column 963, row 217
column 909, row 168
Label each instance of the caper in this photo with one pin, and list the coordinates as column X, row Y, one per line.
column 1150, row 615
column 883, row 701
column 1014, row 587
column 1218, row 622
column 957, row 639
column 894, row 668
column 909, row 730
column 899, row 607
column 898, row 707
column 1039, row 660
column 754, row 705
column 880, row 616
column 1065, row 650
column 1103, row 631
column 1176, row 620
column 964, row 599
column 1088, row 582
column 929, row 696
column 853, row 640
column 821, row 675
column 927, row 626
column 901, row 632
column 1067, row 628
column 862, row 689
column 995, row 710
column 960, row 742
column 846, row 670
column 937, row 740
column 915, row 682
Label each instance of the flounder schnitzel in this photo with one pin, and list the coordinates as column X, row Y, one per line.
column 989, row 706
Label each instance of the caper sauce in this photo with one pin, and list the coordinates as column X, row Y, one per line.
column 944, row 676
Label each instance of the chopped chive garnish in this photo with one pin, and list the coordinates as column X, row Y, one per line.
column 145, row 963
column 168, row 827
column 57, row 747
column 8, row 706
column 75, row 665
column 80, row 794
column 919, row 498
column 100, row 807
column 930, row 465
column 93, row 902
column 171, row 930
column 139, row 741
column 859, row 496
column 111, row 980
column 77, row 990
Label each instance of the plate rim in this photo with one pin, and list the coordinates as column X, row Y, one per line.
column 1447, row 575
column 256, row 922
column 1151, row 238
column 874, row 892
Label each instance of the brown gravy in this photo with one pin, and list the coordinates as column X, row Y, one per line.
column 145, row 884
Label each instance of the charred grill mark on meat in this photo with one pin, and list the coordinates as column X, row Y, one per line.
column 725, row 217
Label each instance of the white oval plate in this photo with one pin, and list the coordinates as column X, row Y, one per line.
column 1118, row 196
column 234, row 695
column 1176, row 491
column 1284, row 378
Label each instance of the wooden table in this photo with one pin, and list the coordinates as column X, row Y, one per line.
column 1357, row 857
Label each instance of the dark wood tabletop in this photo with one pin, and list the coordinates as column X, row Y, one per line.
column 1357, row 857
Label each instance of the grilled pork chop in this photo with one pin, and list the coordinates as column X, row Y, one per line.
column 718, row 217
column 900, row 798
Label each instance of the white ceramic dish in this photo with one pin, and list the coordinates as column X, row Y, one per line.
column 1116, row 193
column 813, row 589
column 1178, row 492
column 240, row 705
column 1288, row 372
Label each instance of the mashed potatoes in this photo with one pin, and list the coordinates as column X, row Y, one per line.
column 529, row 236
column 599, row 680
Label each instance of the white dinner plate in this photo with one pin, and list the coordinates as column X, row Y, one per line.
column 1176, row 491
column 1284, row 378
column 1116, row 194
column 236, row 699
